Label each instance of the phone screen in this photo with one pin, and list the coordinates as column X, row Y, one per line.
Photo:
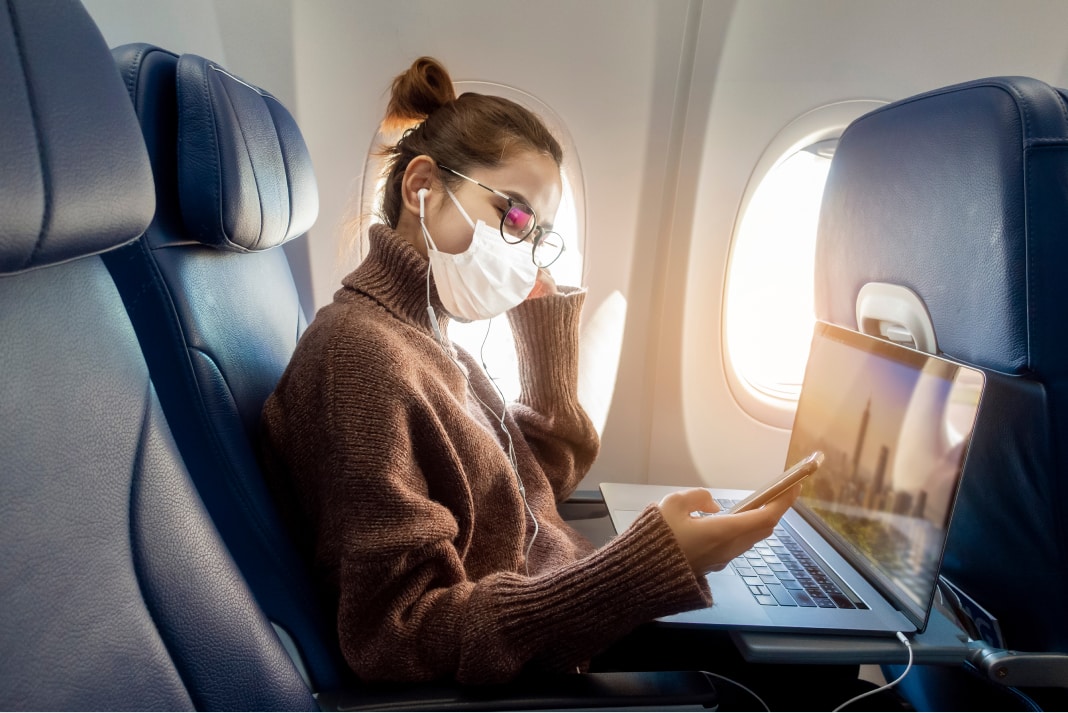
column 779, row 485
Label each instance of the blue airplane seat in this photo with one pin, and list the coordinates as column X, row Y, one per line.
column 115, row 589
column 211, row 294
column 943, row 226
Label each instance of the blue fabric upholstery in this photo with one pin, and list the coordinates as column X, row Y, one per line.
column 216, row 309
column 115, row 589
column 961, row 195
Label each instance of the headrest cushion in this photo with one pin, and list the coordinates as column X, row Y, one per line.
column 75, row 177
column 959, row 195
column 245, row 178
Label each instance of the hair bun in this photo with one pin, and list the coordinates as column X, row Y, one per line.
column 417, row 93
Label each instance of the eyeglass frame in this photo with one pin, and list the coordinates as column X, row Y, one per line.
column 538, row 232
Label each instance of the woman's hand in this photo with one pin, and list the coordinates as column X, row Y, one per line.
column 710, row 543
column 545, row 285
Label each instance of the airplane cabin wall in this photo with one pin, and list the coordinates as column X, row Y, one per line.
column 671, row 105
column 191, row 26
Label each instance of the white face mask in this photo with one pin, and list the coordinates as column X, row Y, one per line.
column 487, row 279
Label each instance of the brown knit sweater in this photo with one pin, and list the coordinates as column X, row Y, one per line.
column 411, row 511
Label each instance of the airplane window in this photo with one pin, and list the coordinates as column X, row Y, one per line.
column 769, row 311
column 768, row 307
column 492, row 339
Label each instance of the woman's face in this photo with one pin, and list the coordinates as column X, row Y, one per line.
column 528, row 177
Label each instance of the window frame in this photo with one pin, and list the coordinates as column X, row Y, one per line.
column 823, row 123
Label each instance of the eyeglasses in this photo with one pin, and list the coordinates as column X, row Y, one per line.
column 519, row 223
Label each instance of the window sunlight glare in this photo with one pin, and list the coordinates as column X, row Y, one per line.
column 769, row 310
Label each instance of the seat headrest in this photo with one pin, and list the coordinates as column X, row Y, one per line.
column 957, row 194
column 245, row 179
column 75, row 178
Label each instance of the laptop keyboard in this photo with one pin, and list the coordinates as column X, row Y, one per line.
column 780, row 572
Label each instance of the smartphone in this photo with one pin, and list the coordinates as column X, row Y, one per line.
column 793, row 475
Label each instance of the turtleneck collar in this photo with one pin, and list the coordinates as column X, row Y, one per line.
column 395, row 275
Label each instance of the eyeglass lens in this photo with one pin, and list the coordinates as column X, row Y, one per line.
column 518, row 222
column 548, row 247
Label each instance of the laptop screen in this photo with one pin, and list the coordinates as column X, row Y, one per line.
column 894, row 425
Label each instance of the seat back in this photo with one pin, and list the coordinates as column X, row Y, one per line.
column 943, row 224
column 211, row 295
column 115, row 589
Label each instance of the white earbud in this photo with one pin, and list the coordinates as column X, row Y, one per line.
column 429, row 308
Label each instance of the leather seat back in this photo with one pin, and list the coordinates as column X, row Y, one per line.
column 115, row 589
column 212, row 297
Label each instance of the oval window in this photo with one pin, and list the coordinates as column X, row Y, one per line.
column 768, row 310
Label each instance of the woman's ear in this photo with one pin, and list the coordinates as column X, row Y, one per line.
column 418, row 176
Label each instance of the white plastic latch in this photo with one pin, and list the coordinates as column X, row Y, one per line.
column 895, row 313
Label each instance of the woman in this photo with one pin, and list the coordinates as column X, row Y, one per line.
column 427, row 505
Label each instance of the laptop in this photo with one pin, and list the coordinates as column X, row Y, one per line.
column 895, row 425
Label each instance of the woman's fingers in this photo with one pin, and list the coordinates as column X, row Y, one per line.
column 710, row 543
column 689, row 501
column 544, row 285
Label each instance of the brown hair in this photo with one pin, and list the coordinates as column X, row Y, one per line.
column 472, row 130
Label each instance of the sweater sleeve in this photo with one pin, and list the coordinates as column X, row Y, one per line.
column 553, row 423
column 412, row 615
column 564, row 617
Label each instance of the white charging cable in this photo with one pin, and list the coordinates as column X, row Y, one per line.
column 900, row 637
column 908, row 645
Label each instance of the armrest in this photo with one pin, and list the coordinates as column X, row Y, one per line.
column 655, row 690
column 583, row 505
column 1022, row 668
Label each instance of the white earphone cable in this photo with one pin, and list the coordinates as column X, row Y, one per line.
column 511, row 445
column 510, row 451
